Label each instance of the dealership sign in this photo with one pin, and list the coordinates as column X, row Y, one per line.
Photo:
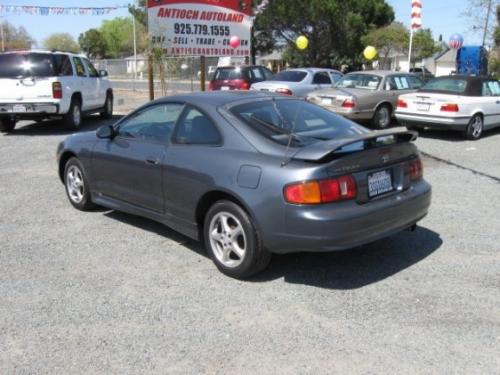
column 200, row 27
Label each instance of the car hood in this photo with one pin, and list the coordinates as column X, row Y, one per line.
column 321, row 149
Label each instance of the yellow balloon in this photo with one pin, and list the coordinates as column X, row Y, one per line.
column 370, row 52
column 302, row 42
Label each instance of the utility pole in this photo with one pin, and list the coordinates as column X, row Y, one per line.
column 1, row 32
column 135, row 45
column 486, row 22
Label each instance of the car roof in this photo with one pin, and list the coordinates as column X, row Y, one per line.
column 382, row 73
column 26, row 51
column 468, row 78
column 310, row 70
column 217, row 98
column 240, row 66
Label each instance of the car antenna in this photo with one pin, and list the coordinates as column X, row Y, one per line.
column 286, row 158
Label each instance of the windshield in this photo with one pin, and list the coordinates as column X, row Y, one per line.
column 359, row 81
column 289, row 76
column 452, row 85
column 229, row 73
column 20, row 65
column 276, row 119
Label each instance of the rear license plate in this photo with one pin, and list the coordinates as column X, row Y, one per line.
column 379, row 183
column 224, row 88
column 423, row 107
column 326, row 101
column 18, row 108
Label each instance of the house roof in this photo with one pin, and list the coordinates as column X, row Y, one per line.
column 449, row 56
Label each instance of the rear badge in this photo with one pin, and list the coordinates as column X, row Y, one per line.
column 385, row 158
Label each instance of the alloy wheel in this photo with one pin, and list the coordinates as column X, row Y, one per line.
column 75, row 184
column 227, row 239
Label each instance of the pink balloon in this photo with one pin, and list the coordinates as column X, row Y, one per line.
column 234, row 42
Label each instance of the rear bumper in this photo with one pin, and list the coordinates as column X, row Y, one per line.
column 350, row 114
column 438, row 122
column 28, row 110
column 348, row 224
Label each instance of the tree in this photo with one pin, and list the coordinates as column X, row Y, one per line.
column 333, row 28
column 15, row 38
column 388, row 40
column 62, row 42
column 424, row 44
column 118, row 35
column 481, row 16
column 93, row 44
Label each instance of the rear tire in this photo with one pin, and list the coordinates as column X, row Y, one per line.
column 77, row 186
column 382, row 117
column 7, row 125
column 475, row 128
column 73, row 119
column 107, row 112
column 232, row 241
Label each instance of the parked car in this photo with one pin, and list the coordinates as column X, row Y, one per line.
column 423, row 73
column 238, row 77
column 468, row 104
column 367, row 95
column 251, row 174
column 299, row 82
column 36, row 85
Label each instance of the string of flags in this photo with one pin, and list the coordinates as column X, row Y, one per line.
column 34, row 10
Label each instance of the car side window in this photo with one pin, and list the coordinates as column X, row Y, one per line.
column 267, row 73
column 194, row 127
column 397, row 83
column 415, row 82
column 322, row 78
column 335, row 77
column 80, row 70
column 490, row 88
column 64, row 67
column 90, row 68
column 152, row 124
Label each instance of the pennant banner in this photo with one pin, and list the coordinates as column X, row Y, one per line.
column 56, row 11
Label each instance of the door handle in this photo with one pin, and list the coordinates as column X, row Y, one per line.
column 152, row 161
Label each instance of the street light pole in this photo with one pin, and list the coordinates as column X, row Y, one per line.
column 135, row 46
column 486, row 22
column 1, row 32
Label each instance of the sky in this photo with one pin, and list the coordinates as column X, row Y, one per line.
column 443, row 17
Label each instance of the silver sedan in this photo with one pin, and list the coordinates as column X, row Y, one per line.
column 299, row 82
column 367, row 96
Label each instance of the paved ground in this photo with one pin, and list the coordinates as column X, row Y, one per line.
column 104, row 292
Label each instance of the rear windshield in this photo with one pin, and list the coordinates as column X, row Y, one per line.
column 452, row 85
column 20, row 65
column 359, row 81
column 295, row 121
column 230, row 73
column 289, row 76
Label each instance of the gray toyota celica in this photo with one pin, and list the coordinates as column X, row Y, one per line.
column 250, row 174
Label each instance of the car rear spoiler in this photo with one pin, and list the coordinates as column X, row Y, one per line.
column 322, row 149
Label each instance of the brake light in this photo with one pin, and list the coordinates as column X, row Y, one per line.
column 416, row 169
column 284, row 91
column 449, row 107
column 348, row 103
column 321, row 191
column 57, row 91
column 402, row 104
column 245, row 85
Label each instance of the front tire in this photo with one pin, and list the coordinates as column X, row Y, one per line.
column 7, row 125
column 475, row 128
column 107, row 112
column 73, row 119
column 382, row 117
column 232, row 241
column 77, row 186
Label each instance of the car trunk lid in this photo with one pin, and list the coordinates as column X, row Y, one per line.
column 426, row 103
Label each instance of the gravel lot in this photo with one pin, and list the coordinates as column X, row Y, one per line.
column 104, row 292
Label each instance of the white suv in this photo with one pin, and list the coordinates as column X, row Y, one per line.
column 35, row 85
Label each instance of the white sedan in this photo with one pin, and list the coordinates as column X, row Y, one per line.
column 466, row 103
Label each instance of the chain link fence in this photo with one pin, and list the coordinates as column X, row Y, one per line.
column 172, row 75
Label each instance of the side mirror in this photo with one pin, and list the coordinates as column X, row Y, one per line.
column 105, row 132
column 103, row 73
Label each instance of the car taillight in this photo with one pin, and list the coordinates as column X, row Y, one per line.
column 348, row 103
column 402, row 104
column 245, row 85
column 321, row 191
column 57, row 91
column 284, row 91
column 449, row 107
column 416, row 169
